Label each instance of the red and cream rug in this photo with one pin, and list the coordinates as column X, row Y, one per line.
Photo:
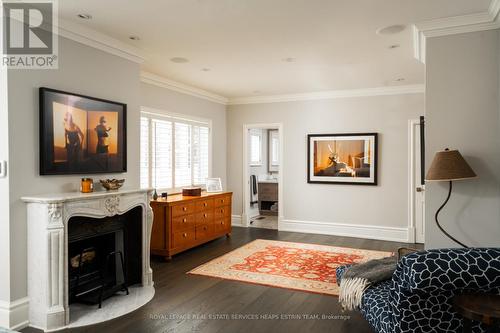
column 298, row 266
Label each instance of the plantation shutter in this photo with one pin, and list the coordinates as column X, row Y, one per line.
column 183, row 164
column 200, row 154
column 161, row 154
column 175, row 152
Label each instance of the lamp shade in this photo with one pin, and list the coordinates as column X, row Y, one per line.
column 449, row 165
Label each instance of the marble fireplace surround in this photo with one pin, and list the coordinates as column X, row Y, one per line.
column 48, row 217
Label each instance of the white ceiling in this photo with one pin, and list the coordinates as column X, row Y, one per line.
column 243, row 42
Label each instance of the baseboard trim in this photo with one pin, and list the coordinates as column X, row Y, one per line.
column 15, row 315
column 236, row 221
column 393, row 234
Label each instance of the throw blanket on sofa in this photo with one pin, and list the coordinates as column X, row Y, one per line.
column 357, row 278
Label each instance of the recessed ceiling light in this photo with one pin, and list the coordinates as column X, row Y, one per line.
column 290, row 59
column 134, row 37
column 205, row 69
column 400, row 79
column 256, row 91
column 391, row 30
column 394, row 46
column 85, row 16
column 179, row 60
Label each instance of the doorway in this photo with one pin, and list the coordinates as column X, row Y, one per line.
column 416, row 152
column 262, row 175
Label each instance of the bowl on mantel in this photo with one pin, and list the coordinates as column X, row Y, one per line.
column 112, row 184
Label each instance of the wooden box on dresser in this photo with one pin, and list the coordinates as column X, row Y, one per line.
column 182, row 222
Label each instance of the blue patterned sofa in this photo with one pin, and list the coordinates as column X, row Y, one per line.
column 418, row 298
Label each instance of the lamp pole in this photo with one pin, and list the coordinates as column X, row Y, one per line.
column 437, row 220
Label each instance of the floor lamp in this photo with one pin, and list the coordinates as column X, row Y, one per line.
column 448, row 165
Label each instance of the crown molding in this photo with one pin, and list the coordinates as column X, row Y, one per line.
column 162, row 82
column 153, row 79
column 95, row 39
column 454, row 25
column 380, row 91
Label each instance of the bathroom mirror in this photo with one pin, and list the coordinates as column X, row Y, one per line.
column 274, row 147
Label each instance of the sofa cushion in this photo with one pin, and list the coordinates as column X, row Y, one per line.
column 475, row 269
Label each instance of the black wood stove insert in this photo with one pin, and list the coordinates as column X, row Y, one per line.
column 104, row 256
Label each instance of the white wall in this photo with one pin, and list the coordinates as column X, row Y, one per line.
column 322, row 207
column 171, row 101
column 463, row 112
column 4, row 202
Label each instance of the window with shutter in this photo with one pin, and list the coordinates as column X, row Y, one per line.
column 175, row 151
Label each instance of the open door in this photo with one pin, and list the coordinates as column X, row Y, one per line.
column 417, row 180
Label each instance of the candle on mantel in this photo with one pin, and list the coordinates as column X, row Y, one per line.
column 87, row 185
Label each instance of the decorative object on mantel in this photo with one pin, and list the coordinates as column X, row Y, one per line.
column 164, row 195
column 214, row 185
column 81, row 134
column 342, row 158
column 191, row 191
column 112, row 184
column 87, row 185
column 155, row 195
column 449, row 165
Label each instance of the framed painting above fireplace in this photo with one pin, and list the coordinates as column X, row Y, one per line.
column 342, row 158
column 81, row 134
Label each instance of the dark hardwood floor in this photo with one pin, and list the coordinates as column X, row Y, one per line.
column 182, row 301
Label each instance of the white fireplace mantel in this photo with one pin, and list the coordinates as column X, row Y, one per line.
column 48, row 217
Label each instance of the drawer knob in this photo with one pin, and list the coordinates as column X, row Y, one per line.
column 184, row 235
column 204, row 228
column 205, row 204
column 221, row 222
column 205, row 215
column 222, row 200
column 184, row 208
column 184, row 220
column 222, row 210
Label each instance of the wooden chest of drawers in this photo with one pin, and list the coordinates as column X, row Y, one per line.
column 181, row 222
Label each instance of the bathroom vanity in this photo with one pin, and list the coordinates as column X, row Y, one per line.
column 268, row 197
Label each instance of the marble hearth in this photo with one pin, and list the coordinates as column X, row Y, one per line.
column 48, row 222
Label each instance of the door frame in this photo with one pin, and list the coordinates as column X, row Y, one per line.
column 245, row 219
column 412, row 181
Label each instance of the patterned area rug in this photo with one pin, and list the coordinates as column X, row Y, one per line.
column 297, row 266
